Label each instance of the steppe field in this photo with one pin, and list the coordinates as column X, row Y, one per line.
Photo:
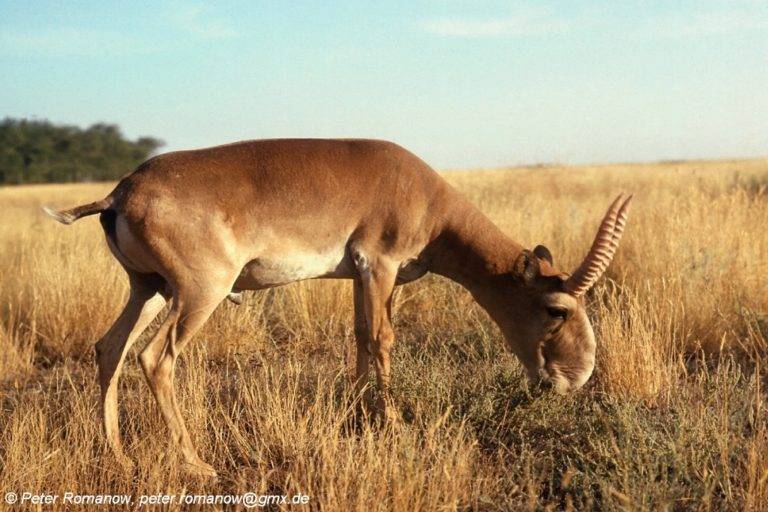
column 674, row 418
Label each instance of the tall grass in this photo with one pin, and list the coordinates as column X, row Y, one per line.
column 674, row 417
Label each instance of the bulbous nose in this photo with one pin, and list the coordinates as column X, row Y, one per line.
column 551, row 381
column 541, row 380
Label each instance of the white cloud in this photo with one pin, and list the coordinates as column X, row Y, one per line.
column 60, row 42
column 198, row 21
column 521, row 23
column 736, row 18
column 68, row 42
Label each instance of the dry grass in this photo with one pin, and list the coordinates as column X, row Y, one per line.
column 674, row 418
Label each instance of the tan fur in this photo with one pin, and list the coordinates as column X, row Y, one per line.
column 195, row 227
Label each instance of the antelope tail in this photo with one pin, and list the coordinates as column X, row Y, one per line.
column 71, row 215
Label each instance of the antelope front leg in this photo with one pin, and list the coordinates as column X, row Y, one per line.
column 362, row 342
column 378, row 284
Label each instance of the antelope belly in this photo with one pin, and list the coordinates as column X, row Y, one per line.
column 265, row 272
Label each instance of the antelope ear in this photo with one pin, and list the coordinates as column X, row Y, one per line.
column 543, row 253
column 526, row 266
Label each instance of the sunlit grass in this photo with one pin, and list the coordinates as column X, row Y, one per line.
column 674, row 416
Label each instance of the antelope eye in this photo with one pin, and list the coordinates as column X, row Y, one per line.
column 557, row 312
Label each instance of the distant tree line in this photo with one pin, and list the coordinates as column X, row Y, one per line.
column 41, row 152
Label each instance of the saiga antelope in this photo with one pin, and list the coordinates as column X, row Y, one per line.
column 192, row 226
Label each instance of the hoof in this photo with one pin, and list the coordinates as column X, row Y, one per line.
column 392, row 417
column 201, row 469
column 126, row 464
column 388, row 414
column 237, row 298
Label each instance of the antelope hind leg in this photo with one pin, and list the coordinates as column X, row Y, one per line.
column 142, row 307
column 191, row 308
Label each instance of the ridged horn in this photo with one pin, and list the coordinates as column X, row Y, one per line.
column 603, row 248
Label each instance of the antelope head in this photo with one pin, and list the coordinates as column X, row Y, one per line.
column 542, row 312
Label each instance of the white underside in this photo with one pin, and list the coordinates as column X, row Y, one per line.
column 290, row 266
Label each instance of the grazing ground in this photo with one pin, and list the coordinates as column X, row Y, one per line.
column 674, row 417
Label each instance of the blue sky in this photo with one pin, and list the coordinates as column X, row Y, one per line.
column 459, row 83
